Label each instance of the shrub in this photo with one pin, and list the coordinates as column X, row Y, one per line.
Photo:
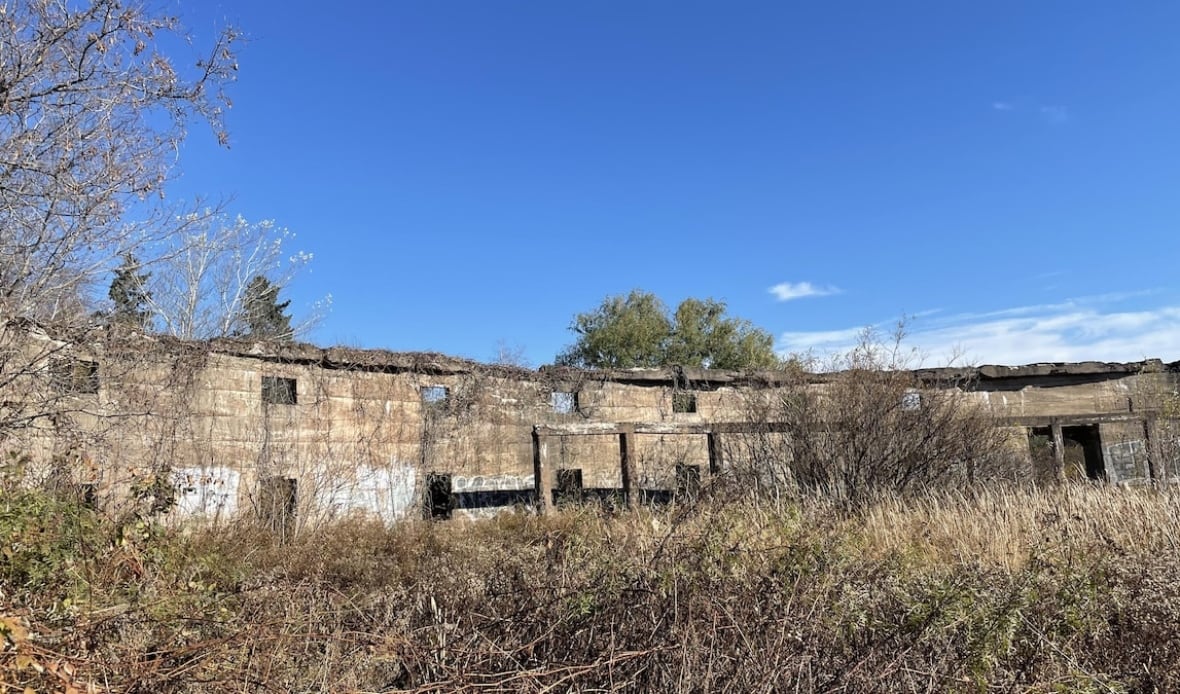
column 868, row 424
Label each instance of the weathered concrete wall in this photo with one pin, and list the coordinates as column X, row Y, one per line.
column 366, row 432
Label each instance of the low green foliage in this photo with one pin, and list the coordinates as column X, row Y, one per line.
column 44, row 540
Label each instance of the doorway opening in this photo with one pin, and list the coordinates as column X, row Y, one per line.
column 1083, row 453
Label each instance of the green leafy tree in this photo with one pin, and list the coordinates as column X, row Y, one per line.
column 128, row 292
column 623, row 333
column 637, row 331
column 263, row 315
column 703, row 336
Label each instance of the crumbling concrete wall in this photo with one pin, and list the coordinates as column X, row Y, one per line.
column 392, row 435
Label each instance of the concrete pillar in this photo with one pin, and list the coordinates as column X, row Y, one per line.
column 626, row 467
column 542, row 474
column 1059, row 451
column 716, row 458
column 1156, row 469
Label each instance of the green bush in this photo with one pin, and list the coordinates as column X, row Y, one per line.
column 45, row 539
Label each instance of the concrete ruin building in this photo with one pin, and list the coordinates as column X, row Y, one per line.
column 306, row 434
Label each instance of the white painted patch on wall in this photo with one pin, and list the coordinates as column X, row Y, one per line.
column 491, row 483
column 210, row 492
column 386, row 492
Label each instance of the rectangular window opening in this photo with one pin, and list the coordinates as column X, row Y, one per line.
column 684, row 402
column 440, row 500
column 564, row 402
column 1083, row 452
column 277, row 390
column 76, row 376
column 569, row 486
column 911, row 400
column 434, row 396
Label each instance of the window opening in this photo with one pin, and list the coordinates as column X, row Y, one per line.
column 1083, row 453
column 434, row 396
column 911, row 400
column 439, row 499
column 75, row 376
column 684, row 402
column 277, row 390
column 564, row 402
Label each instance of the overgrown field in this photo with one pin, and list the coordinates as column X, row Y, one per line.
column 1070, row 589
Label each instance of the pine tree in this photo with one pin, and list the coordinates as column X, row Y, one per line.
column 129, row 293
column 263, row 316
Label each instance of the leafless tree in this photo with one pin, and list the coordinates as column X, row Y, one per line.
column 866, row 421
column 92, row 112
column 199, row 280
column 91, row 115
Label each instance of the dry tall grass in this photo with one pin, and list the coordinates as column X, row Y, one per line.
column 1005, row 527
column 1000, row 589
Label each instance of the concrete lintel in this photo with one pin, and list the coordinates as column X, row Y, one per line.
column 1072, row 419
column 615, row 428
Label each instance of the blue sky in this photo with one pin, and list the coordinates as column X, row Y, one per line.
column 473, row 173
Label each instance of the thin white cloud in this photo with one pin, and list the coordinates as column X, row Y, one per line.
column 1086, row 329
column 1068, row 305
column 789, row 291
column 1052, row 114
column 819, row 340
column 1055, row 114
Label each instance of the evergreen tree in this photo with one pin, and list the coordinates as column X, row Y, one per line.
column 129, row 294
column 263, row 316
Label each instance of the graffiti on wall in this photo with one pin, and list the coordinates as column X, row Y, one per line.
column 485, row 495
column 491, row 483
column 210, row 492
column 1125, row 460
